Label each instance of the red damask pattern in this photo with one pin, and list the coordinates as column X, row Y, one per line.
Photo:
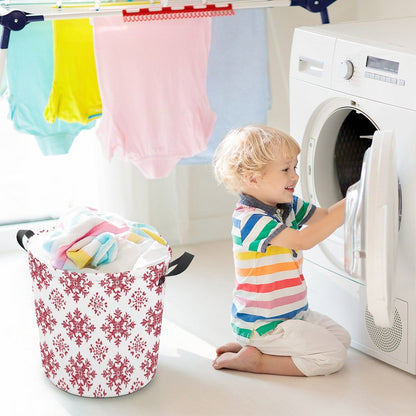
column 153, row 320
column 117, row 283
column 57, row 299
column 40, row 273
column 99, row 333
column 62, row 384
column 138, row 299
column 61, row 347
column 80, row 372
column 98, row 304
column 137, row 385
column 117, row 373
column 75, row 284
column 99, row 351
column 150, row 362
column 137, row 346
column 152, row 276
column 99, row 392
column 44, row 317
column 118, row 326
column 78, row 327
column 49, row 363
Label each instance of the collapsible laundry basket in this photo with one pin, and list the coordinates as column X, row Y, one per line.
column 99, row 332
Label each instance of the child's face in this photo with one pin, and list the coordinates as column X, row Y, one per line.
column 277, row 184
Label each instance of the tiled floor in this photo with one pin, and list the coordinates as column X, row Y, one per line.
column 195, row 322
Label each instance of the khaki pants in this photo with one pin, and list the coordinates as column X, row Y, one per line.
column 317, row 344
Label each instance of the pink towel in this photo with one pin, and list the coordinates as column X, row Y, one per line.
column 152, row 78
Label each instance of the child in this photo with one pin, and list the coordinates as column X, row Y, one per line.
column 276, row 331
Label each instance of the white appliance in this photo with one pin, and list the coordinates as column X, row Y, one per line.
column 353, row 111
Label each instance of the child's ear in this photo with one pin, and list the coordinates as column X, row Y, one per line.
column 251, row 178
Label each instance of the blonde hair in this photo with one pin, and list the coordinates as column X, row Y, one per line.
column 249, row 150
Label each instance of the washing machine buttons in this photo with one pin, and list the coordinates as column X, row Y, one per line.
column 346, row 69
column 383, row 78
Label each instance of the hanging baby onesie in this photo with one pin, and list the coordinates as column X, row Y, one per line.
column 30, row 75
column 3, row 84
column 75, row 96
column 152, row 79
column 238, row 78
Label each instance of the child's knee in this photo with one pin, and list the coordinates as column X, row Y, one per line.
column 345, row 339
column 322, row 364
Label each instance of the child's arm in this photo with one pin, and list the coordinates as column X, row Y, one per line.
column 321, row 225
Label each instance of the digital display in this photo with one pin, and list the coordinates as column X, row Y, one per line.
column 382, row 64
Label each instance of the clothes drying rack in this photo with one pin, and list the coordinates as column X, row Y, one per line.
column 14, row 16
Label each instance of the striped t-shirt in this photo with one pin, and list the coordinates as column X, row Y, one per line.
column 269, row 286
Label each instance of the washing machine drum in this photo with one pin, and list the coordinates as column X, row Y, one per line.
column 353, row 139
column 334, row 155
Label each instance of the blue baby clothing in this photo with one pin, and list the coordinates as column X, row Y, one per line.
column 3, row 85
column 238, row 79
column 30, row 75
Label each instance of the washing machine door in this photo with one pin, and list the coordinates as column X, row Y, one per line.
column 372, row 224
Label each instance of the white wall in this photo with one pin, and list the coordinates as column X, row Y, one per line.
column 369, row 9
column 188, row 206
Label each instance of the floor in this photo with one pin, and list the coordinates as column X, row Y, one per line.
column 195, row 322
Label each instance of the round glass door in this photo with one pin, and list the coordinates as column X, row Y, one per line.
column 335, row 149
column 335, row 155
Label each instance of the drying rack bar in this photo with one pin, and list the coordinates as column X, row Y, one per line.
column 74, row 10
column 15, row 16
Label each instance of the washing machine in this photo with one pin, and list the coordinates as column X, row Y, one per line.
column 353, row 111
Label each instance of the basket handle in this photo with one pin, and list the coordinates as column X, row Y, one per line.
column 20, row 237
column 181, row 264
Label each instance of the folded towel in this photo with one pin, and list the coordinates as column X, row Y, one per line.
column 94, row 251
column 85, row 237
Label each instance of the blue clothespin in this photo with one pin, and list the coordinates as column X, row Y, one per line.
column 14, row 20
column 315, row 6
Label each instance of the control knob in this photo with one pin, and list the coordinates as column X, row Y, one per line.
column 346, row 69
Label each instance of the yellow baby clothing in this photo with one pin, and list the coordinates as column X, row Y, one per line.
column 75, row 96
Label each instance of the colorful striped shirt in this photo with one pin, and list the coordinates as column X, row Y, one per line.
column 269, row 286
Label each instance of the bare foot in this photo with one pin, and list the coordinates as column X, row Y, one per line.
column 230, row 347
column 244, row 359
column 235, row 357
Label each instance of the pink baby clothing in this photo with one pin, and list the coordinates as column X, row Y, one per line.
column 152, row 79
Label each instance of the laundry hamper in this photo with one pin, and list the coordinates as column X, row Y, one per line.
column 99, row 332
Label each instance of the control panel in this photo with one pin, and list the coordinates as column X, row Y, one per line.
column 376, row 68
column 373, row 72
